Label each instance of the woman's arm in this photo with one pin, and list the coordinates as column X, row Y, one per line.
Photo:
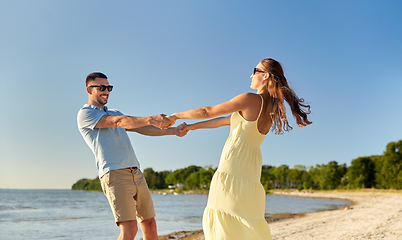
column 213, row 123
column 238, row 103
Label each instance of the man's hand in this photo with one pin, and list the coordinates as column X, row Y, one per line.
column 172, row 118
column 161, row 121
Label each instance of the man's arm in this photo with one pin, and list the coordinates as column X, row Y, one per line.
column 153, row 131
column 131, row 122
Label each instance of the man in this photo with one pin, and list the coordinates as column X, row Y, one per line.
column 104, row 130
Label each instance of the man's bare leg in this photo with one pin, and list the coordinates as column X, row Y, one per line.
column 128, row 230
column 148, row 228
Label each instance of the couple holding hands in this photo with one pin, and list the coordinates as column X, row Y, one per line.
column 236, row 200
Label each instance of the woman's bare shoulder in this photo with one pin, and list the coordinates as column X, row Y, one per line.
column 249, row 95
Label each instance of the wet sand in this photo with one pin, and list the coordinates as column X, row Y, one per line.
column 373, row 215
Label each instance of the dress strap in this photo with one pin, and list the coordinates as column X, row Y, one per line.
column 262, row 104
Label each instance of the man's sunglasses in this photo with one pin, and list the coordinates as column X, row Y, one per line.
column 103, row 87
column 256, row 70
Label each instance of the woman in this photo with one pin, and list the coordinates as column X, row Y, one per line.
column 236, row 201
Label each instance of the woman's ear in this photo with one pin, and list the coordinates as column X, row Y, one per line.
column 266, row 76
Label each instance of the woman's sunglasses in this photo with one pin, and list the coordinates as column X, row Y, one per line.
column 256, row 70
column 103, row 87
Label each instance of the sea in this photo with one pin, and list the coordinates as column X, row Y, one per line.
column 75, row 215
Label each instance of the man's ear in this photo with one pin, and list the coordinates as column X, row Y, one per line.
column 89, row 90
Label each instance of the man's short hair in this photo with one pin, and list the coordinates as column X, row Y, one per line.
column 94, row 75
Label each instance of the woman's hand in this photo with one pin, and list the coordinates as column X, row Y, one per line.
column 182, row 130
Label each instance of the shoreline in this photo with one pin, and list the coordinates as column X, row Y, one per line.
column 373, row 214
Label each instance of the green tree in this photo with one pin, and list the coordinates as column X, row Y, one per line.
column 188, row 171
column 391, row 170
column 281, row 177
column 161, row 183
column 206, row 177
column 307, row 180
column 316, row 176
column 87, row 184
column 361, row 173
column 326, row 176
column 155, row 180
column 150, row 177
column 332, row 174
column 181, row 175
column 174, row 177
column 267, row 177
column 193, row 180
column 378, row 164
column 200, row 179
column 295, row 176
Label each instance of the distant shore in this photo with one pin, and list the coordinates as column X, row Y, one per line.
column 375, row 214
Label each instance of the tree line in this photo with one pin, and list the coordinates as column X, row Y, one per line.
column 87, row 184
column 377, row 171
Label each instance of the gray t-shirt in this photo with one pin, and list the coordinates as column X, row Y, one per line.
column 111, row 146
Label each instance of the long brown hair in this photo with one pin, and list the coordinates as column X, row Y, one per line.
column 279, row 91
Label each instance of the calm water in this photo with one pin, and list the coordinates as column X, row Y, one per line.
column 66, row 214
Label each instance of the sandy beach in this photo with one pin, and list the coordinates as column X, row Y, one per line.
column 373, row 215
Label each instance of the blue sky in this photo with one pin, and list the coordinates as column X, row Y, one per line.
column 342, row 57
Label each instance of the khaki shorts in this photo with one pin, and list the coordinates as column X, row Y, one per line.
column 128, row 195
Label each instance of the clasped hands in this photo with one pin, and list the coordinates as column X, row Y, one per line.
column 163, row 121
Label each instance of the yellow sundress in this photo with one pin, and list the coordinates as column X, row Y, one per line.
column 236, row 201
